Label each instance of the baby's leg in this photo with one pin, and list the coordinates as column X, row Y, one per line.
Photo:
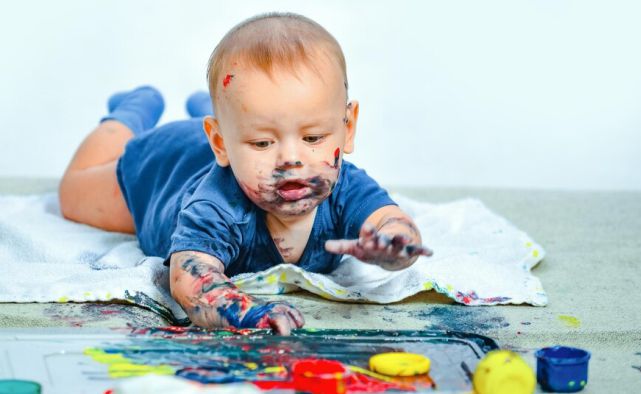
column 89, row 191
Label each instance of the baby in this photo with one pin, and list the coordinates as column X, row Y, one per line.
column 265, row 184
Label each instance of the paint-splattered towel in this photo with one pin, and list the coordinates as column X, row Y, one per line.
column 479, row 259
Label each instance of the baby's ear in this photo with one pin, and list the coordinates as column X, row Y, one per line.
column 215, row 138
column 350, row 125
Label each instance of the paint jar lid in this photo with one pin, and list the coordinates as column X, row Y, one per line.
column 399, row 364
column 319, row 376
column 563, row 355
column 19, row 387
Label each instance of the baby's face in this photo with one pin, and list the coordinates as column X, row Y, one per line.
column 283, row 137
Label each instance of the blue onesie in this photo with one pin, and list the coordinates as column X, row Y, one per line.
column 181, row 199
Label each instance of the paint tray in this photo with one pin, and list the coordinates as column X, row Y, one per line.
column 91, row 360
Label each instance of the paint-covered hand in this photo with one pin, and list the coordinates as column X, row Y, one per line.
column 211, row 300
column 390, row 251
column 280, row 316
column 233, row 308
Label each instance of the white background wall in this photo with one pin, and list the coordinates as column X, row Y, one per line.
column 527, row 94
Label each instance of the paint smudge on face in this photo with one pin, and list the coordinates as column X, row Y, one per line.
column 458, row 318
column 311, row 191
column 227, row 79
column 337, row 154
column 570, row 321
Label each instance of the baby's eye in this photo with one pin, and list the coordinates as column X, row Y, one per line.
column 260, row 144
column 313, row 138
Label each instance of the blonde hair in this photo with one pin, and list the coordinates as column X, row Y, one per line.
column 272, row 39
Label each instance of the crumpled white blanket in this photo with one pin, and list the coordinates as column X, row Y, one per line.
column 479, row 259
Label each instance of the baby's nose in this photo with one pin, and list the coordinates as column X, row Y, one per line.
column 289, row 156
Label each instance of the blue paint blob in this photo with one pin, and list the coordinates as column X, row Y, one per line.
column 253, row 315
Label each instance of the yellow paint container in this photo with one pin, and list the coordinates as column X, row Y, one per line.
column 503, row 372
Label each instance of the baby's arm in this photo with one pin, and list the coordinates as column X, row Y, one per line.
column 388, row 238
column 211, row 300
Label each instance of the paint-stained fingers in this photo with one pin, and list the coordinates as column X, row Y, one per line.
column 296, row 316
column 281, row 323
column 383, row 242
column 367, row 232
column 397, row 244
column 288, row 309
column 417, row 250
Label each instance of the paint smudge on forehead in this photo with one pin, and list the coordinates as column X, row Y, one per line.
column 227, row 79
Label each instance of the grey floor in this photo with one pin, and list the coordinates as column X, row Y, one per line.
column 592, row 273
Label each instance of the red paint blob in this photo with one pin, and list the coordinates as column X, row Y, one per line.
column 227, row 79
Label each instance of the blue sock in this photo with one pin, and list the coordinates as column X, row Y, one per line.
column 199, row 104
column 138, row 109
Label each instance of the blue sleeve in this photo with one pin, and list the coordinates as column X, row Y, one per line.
column 203, row 227
column 357, row 197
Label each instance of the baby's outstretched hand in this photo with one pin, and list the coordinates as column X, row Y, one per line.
column 392, row 252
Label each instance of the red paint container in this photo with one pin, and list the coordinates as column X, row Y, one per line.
column 318, row 376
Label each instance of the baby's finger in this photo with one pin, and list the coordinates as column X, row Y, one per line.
column 383, row 241
column 340, row 246
column 297, row 316
column 280, row 324
column 367, row 232
column 417, row 250
column 398, row 242
column 291, row 312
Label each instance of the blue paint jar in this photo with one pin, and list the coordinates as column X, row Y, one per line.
column 562, row 369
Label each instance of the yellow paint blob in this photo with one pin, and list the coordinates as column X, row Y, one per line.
column 428, row 286
column 122, row 367
column 63, row 299
column 399, row 364
column 283, row 276
column 503, row 372
column 570, row 321
column 125, row 370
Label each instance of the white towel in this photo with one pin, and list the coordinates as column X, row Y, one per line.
column 479, row 259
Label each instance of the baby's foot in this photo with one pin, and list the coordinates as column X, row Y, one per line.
column 199, row 104
column 138, row 109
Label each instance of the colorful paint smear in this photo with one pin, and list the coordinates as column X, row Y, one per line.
column 268, row 361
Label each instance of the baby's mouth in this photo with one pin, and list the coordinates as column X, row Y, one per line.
column 292, row 190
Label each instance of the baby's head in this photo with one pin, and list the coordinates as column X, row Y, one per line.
column 282, row 121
